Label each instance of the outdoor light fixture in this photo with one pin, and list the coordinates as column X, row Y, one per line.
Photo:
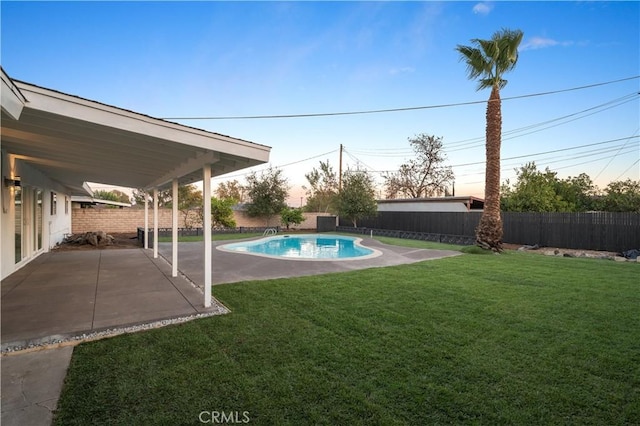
column 12, row 182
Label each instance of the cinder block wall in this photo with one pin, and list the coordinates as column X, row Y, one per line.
column 129, row 220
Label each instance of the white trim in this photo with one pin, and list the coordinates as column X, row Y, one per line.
column 155, row 223
column 206, row 230
column 174, row 230
column 13, row 100
column 146, row 220
column 94, row 112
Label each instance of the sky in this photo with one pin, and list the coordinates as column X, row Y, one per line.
column 184, row 60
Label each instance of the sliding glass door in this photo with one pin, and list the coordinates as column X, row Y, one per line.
column 17, row 200
column 28, row 221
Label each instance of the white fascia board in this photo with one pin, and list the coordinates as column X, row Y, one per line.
column 87, row 188
column 70, row 106
column 186, row 168
column 12, row 100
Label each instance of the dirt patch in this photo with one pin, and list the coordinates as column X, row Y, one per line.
column 564, row 251
column 120, row 241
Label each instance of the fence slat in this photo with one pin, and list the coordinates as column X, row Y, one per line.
column 608, row 231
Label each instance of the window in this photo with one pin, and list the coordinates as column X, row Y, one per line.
column 54, row 201
column 38, row 217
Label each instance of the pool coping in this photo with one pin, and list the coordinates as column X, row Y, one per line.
column 356, row 240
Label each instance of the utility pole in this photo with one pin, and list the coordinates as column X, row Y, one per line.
column 340, row 171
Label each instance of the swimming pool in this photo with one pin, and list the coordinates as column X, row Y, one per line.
column 305, row 247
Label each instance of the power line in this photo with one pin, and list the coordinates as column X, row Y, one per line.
column 547, row 152
column 607, row 165
column 586, row 162
column 579, row 155
column 279, row 167
column 378, row 111
column 628, row 168
column 552, row 169
column 553, row 125
column 476, row 142
column 358, row 161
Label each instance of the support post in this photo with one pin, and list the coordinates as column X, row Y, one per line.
column 340, row 171
column 155, row 223
column 146, row 220
column 174, row 230
column 206, row 230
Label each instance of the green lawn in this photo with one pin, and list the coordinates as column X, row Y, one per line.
column 512, row 339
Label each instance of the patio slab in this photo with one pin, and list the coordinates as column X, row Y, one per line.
column 66, row 293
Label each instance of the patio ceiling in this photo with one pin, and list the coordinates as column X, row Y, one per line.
column 74, row 140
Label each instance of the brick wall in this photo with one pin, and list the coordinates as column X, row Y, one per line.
column 129, row 220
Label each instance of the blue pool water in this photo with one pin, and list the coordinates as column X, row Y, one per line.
column 304, row 247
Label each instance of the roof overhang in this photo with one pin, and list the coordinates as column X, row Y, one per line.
column 12, row 100
column 86, row 199
column 74, row 140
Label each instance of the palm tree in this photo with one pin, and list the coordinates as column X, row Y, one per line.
column 488, row 61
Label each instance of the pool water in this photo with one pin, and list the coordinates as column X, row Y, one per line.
column 304, row 247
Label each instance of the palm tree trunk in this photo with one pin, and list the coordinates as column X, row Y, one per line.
column 489, row 231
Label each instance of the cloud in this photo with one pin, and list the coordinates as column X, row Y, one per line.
column 535, row 43
column 402, row 70
column 482, row 8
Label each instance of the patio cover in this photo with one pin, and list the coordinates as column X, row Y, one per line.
column 73, row 140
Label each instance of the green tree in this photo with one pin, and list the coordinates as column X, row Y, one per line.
column 622, row 196
column 488, row 61
column 231, row 189
column 267, row 193
column 322, row 191
column 113, row 195
column 534, row 191
column 289, row 216
column 164, row 197
column 578, row 191
column 424, row 175
column 222, row 212
column 105, row 195
column 189, row 202
column 357, row 199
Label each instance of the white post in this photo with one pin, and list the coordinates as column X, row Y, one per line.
column 155, row 223
column 146, row 220
column 174, row 231
column 206, row 230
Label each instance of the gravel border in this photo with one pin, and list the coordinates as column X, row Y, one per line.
column 56, row 341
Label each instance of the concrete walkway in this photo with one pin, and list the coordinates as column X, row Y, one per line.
column 31, row 386
column 234, row 267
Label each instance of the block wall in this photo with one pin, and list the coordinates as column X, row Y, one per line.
column 129, row 220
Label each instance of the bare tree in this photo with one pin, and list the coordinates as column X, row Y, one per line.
column 231, row 189
column 322, row 191
column 422, row 176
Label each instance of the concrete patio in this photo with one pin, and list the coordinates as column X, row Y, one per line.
column 68, row 293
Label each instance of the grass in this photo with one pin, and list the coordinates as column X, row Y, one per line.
column 420, row 244
column 511, row 339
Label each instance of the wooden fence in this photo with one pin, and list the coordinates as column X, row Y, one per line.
column 588, row 231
